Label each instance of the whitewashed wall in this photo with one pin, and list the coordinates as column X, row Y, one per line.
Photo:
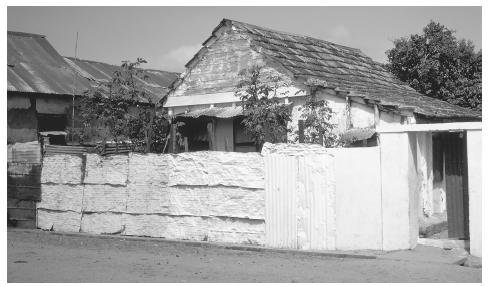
column 212, row 196
column 335, row 201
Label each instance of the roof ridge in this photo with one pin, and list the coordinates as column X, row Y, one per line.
column 292, row 34
column 99, row 62
column 90, row 61
column 23, row 34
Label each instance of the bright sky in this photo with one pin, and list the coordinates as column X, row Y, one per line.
column 168, row 37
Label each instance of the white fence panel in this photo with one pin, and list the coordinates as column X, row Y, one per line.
column 281, row 218
column 300, row 201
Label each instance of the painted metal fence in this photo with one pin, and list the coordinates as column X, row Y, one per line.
column 300, row 196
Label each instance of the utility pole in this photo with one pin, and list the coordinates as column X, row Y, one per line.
column 74, row 90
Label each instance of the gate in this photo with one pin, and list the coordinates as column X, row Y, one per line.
column 300, row 201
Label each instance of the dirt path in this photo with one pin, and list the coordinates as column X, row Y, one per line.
column 45, row 257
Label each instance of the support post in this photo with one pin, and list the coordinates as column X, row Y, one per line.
column 185, row 142
column 173, row 138
column 210, row 133
column 301, row 131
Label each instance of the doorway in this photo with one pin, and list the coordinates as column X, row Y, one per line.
column 450, row 202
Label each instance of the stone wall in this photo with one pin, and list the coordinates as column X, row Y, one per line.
column 214, row 196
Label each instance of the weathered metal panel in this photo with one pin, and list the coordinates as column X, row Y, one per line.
column 24, row 181
column 29, row 152
column 456, row 185
column 21, row 213
column 35, row 66
column 281, row 207
column 300, row 201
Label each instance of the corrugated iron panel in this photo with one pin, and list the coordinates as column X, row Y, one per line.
column 219, row 112
column 29, row 152
column 156, row 85
column 300, row 201
column 281, row 208
column 35, row 66
column 50, row 150
column 316, row 203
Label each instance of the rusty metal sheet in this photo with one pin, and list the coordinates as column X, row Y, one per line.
column 156, row 85
column 35, row 66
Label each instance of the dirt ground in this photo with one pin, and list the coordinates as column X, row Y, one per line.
column 40, row 256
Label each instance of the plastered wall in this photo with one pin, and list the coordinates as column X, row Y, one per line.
column 474, row 186
column 344, row 199
column 212, row 196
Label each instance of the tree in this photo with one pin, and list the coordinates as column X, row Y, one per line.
column 125, row 109
column 265, row 118
column 316, row 115
column 436, row 64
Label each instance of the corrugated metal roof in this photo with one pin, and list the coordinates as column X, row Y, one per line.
column 35, row 66
column 219, row 112
column 156, row 85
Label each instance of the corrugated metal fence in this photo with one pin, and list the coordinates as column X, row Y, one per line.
column 300, row 198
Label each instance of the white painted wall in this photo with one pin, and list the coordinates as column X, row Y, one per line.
column 358, row 198
column 426, row 176
column 475, row 190
column 399, row 210
column 388, row 118
column 213, row 196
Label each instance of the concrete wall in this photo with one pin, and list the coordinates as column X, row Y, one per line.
column 398, row 190
column 358, row 198
column 474, row 187
column 212, row 196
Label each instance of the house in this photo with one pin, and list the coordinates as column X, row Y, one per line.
column 361, row 93
column 364, row 98
column 42, row 86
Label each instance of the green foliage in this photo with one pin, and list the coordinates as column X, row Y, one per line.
column 436, row 64
column 266, row 119
column 316, row 115
column 125, row 110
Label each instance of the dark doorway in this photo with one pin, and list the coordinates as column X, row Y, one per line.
column 457, row 203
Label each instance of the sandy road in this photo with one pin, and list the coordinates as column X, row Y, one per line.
column 44, row 257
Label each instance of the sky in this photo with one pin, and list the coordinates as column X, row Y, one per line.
column 168, row 37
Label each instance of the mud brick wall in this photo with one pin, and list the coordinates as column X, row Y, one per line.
column 210, row 196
